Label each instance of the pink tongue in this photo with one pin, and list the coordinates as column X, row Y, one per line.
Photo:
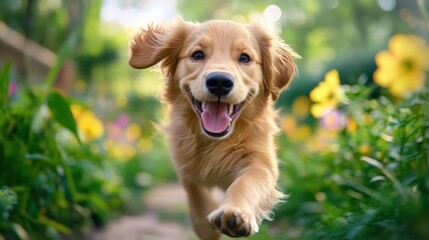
column 215, row 117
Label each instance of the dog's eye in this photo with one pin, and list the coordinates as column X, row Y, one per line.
column 198, row 55
column 244, row 58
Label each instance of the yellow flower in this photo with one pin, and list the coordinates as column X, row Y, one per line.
column 326, row 95
column 89, row 126
column 351, row 125
column 119, row 151
column 364, row 149
column 402, row 67
column 294, row 132
column 145, row 145
column 132, row 132
column 301, row 106
column 76, row 110
column 302, row 133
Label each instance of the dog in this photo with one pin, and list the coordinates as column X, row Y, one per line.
column 222, row 79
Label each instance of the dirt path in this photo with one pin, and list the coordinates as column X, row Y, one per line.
column 165, row 219
column 144, row 227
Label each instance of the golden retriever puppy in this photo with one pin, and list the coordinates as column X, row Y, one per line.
column 222, row 79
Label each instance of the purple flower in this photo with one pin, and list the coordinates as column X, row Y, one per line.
column 122, row 121
column 13, row 87
column 333, row 120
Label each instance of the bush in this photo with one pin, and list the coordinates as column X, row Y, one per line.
column 50, row 182
column 364, row 173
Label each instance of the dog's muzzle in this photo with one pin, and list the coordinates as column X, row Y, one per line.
column 217, row 116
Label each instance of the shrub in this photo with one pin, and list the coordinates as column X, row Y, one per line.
column 50, row 182
column 363, row 174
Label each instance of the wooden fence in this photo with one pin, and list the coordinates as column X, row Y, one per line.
column 31, row 61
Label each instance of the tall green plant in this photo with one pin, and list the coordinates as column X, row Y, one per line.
column 370, row 179
column 60, row 185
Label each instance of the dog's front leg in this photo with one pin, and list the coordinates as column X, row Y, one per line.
column 201, row 203
column 248, row 200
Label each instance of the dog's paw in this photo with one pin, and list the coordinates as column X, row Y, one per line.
column 233, row 222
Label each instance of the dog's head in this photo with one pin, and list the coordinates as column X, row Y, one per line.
column 218, row 67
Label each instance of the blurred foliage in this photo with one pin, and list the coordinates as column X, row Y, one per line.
column 369, row 180
column 359, row 172
column 363, row 173
column 51, row 184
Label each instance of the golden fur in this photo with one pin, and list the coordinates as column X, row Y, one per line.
column 242, row 161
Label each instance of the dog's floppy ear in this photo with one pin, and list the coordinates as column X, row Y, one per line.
column 158, row 43
column 284, row 68
column 277, row 61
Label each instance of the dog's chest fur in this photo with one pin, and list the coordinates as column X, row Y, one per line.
column 211, row 162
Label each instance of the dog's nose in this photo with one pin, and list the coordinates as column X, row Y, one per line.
column 219, row 83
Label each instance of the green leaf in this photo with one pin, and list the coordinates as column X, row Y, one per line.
column 386, row 173
column 61, row 112
column 96, row 203
column 37, row 156
column 41, row 158
column 62, row 55
column 4, row 83
column 54, row 224
column 365, row 190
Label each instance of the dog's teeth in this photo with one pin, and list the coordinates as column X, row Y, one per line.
column 203, row 106
column 231, row 109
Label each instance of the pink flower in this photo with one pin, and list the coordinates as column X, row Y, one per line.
column 333, row 120
column 115, row 129
column 122, row 121
column 13, row 87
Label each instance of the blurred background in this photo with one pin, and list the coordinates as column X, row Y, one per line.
column 53, row 187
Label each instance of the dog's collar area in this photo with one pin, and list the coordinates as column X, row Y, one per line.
column 216, row 116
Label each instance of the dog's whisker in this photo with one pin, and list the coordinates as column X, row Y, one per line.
column 183, row 97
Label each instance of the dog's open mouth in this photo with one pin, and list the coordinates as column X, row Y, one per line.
column 217, row 117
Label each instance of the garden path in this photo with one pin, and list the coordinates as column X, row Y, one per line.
column 165, row 218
